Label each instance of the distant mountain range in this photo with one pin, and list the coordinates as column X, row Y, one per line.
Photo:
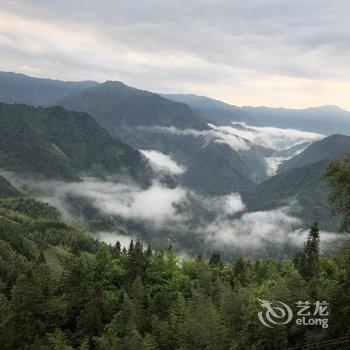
column 116, row 105
column 98, row 128
column 327, row 120
column 20, row 88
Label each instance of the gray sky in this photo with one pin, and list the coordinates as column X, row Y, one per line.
column 253, row 52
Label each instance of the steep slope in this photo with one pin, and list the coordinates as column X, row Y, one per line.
column 20, row 88
column 330, row 147
column 6, row 189
column 217, row 170
column 116, row 106
column 61, row 144
column 306, row 185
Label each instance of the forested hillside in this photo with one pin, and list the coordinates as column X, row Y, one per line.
column 216, row 169
column 304, row 189
column 62, row 290
column 116, row 105
column 60, row 144
column 328, row 148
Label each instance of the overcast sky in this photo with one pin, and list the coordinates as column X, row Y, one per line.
column 253, row 52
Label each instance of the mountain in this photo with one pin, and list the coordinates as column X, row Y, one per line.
column 116, row 106
column 217, row 170
column 215, row 111
column 20, row 88
column 306, row 185
column 147, row 120
column 61, row 144
column 326, row 120
column 6, row 189
column 294, row 150
column 327, row 148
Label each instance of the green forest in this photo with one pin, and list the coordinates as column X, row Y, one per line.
column 61, row 289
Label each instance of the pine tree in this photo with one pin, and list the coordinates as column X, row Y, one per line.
column 90, row 322
column 215, row 259
column 240, row 271
column 309, row 261
column 136, row 261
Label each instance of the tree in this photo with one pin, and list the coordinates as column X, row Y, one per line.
column 90, row 321
column 149, row 342
column 136, row 261
column 215, row 259
column 240, row 271
column 27, row 309
column 58, row 340
column 308, row 261
column 338, row 176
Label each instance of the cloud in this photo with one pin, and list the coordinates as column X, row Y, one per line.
column 272, row 164
column 156, row 204
column 225, row 224
column 161, row 161
column 255, row 230
column 270, row 137
column 292, row 53
column 113, row 237
column 230, row 204
column 241, row 136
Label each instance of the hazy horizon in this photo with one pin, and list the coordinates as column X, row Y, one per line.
column 181, row 93
column 291, row 54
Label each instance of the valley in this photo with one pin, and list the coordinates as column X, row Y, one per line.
column 164, row 168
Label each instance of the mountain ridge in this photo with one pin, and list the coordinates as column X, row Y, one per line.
column 21, row 88
column 327, row 148
column 61, row 144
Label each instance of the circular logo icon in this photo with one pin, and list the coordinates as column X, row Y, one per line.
column 274, row 313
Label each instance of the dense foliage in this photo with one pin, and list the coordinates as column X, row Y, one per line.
column 60, row 289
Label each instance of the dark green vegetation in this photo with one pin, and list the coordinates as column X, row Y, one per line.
column 60, row 144
column 6, row 189
column 20, row 88
column 337, row 175
column 306, row 185
column 328, row 148
column 59, row 289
